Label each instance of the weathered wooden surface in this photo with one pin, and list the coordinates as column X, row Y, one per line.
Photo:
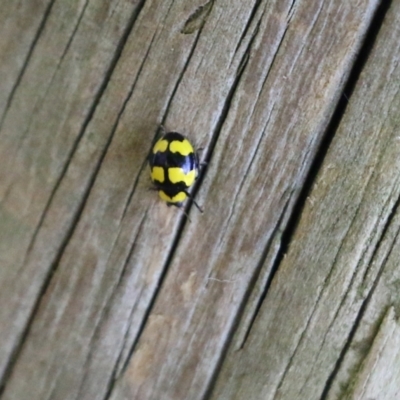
column 379, row 375
column 107, row 293
column 341, row 260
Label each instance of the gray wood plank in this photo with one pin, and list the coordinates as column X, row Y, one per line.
column 266, row 143
column 52, row 103
column 379, row 377
column 21, row 23
column 127, row 116
column 319, row 318
column 255, row 83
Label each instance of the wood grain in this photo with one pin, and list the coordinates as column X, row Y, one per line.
column 108, row 293
column 42, row 128
column 21, row 23
column 332, row 271
column 379, row 376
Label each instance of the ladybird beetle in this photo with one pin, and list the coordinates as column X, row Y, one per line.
column 174, row 166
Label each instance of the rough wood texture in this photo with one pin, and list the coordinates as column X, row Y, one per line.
column 316, row 310
column 106, row 293
column 379, row 376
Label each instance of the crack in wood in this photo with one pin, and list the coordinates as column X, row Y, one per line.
column 274, row 57
column 52, row 194
column 85, row 124
column 75, row 218
column 300, row 341
column 250, row 21
column 244, row 177
column 71, row 38
column 118, row 363
column 322, row 150
column 277, row 230
column 120, row 366
column 114, row 375
column 356, row 324
column 371, row 260
column 354, row 276
column 292, row 10
column 339, row 309
column 37, row 107
column 366, row 48
column 198, row 18
column 27, row 60
column 179, row 80
column 391, row 216
column 182, row 224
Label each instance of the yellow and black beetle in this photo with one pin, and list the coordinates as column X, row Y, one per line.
column 174, row 166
